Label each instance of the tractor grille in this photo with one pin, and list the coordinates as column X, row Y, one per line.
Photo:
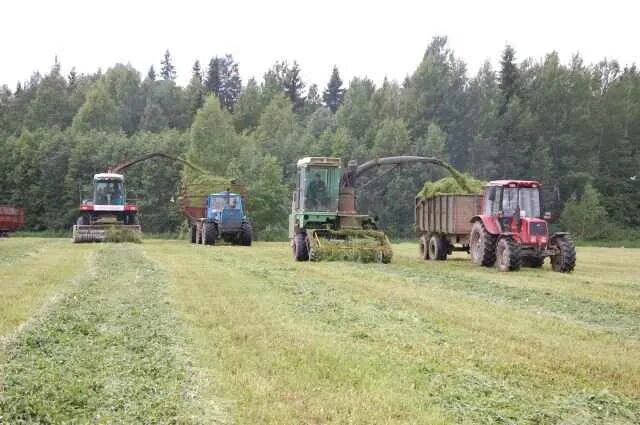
column 538, row 229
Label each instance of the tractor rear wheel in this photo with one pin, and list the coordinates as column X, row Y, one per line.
column 508, row 254
column 437, row 248
column 565, row 260
column 193, row 233
column 482, row 245
column 209, row 233
column 299, row 246
column 533, row 262
column 246, row 234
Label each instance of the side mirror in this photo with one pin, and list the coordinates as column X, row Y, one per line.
column 547, row 216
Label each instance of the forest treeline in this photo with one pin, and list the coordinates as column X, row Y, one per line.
column 575, row 126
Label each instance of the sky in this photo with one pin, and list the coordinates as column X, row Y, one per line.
column 363, row 38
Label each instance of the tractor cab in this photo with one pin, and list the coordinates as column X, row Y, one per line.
column 517, row 207
column 227, row 209
column 317, row 185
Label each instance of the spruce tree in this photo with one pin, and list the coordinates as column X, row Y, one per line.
column 167, row 69
column 151, row 74
column 213, row 82
column 334, row 93
column 293, row 86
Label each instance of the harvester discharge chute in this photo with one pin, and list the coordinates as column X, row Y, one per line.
column 324, row 223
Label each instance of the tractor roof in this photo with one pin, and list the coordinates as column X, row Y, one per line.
column 108, row 176
column 515, row 183
column 319, row 160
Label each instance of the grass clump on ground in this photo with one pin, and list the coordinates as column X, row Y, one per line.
column 109, row 352
column 118, row 235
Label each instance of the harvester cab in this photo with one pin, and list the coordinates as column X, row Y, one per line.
column 512, row 221
column 106, row 210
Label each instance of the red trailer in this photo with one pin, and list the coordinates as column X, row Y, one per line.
column 11, row 219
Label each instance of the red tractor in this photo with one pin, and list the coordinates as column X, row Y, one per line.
column 504, row 225
column 513, row 231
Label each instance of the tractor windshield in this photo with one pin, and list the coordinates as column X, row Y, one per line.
column 221, row 202
column 527, row 199
column 321, row 188
column 109, row 192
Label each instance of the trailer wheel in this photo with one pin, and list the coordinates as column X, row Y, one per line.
column 193, row 233
column 424, row 247
column 198, row 233
column 437, row 248
column 508, row 254
column 209, row 233
column 565, row 260
column 299, row 246
column 482, row 245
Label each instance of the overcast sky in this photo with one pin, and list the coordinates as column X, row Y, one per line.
column 364, row 38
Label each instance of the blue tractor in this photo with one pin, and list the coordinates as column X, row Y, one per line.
column 222, row 218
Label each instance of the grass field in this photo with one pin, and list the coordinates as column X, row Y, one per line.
column 167, row 332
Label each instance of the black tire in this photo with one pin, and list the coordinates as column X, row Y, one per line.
column 533, row 262
column 437, row 248
column 198, row 233
column 246, row 234
column 482, row 245
column 299, row 246
column 424, row 247
column 193, row 233
column 209, row 233
column 565, row 260
column 508, row 254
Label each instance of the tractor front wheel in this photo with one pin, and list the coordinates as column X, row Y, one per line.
column 482, row 245
column 209, row 233
column 508, row 254
column 565, row 260
column 246, row 234
column 299, row 247
column 437, row 248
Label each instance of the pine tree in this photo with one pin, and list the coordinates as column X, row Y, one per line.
column 293, row 86
column 151, row 74
column 508, row 76
column 195, row 90
column 231, row 83
column 213, row 82
column 167, row 69
column 333, row 95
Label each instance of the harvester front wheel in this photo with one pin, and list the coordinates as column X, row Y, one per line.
column 565, row 260
column 209, row 233
column 299, row 247
column 482, row 245
column 437, row 248
column 508, row 254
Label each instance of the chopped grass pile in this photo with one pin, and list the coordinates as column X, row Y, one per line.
column 457, row 183
column 118, row 235
column 196, row 189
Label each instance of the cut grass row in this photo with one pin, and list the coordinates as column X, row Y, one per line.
column 341, row 342
column 273, row 341
column 110, row 351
